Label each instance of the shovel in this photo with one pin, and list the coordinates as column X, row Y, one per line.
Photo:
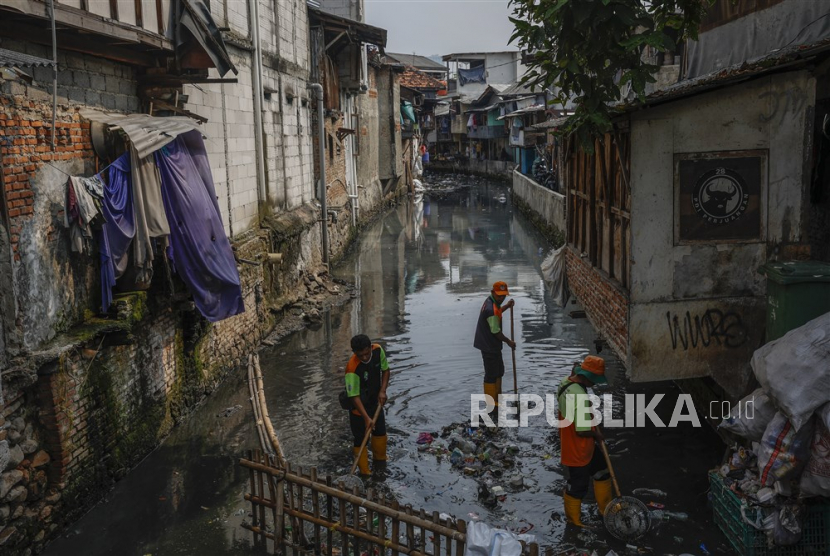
column 351, row 481
column 626, row 517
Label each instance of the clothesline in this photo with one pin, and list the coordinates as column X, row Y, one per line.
column 101, row 171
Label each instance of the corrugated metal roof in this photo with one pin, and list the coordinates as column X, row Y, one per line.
column 521, row 89
column 551, row 124
column 11, row 59
column 523, row 111
column 147, row 133
column 420, row 62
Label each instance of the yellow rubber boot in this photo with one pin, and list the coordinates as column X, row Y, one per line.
column 602, row 492
column 573, row 510
column 498, row 389
column 492, row 391
column 363, row 462
column 378, row 448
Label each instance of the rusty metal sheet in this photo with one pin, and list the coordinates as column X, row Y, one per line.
column 147, row 133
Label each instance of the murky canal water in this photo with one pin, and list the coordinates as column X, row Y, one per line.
column 423, row 271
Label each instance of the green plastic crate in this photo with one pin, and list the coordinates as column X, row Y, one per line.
column 748, row 541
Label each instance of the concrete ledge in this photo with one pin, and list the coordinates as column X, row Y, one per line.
column 545, row 208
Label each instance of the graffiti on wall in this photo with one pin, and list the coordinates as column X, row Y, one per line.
column 783, row 104
column 714, row 328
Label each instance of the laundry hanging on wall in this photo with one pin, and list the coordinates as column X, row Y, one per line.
column 472, row 75
column 199, row 249
column 118, row 210
column 150, row 219
column 141, row 202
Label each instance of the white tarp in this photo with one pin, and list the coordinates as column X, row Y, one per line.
column 553, row 273
column 482, row 540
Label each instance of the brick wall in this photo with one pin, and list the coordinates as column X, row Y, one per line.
column 604, row 302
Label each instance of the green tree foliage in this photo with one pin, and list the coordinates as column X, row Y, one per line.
column 589, row 49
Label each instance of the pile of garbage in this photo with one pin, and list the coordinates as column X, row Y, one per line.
column 784, row 427
column 483, row 454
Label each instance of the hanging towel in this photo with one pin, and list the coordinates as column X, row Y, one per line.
column 81, row 210
column 199, row 249
column 118, row 210
column 150, row 220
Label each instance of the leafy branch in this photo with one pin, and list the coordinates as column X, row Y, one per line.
column 587, row 50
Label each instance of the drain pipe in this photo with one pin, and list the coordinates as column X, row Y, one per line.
column 321, row 141
column 54, row 69
column 262, row 189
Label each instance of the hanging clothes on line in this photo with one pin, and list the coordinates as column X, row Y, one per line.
column 80, row 212
column 148, row 205
column 199, row 249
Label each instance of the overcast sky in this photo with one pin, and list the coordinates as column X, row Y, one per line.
column 429, row 27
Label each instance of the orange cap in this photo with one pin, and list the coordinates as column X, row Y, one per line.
column 593, row 368
column 500, row 288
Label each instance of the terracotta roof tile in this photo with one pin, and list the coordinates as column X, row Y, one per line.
column 415, row 79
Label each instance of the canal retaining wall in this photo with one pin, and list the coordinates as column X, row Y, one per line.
column 545, row 208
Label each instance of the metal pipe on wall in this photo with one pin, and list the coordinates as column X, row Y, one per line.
column 262, row 185
column 321, row 141
column 54, row 69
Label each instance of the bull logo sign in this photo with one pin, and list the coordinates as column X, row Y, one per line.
column 720, row 196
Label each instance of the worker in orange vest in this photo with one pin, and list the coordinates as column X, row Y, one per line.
column 579, row 439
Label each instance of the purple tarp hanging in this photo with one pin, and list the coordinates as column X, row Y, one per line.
column 199, row 248
column 118, row 210
column 118, row 232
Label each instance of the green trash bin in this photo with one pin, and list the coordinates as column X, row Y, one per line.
column 797, row 292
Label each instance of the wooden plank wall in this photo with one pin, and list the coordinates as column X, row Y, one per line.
column 599, row 204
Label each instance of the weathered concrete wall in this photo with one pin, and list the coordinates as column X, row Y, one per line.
column 35, row 189
column 545, row 208
column 369, row 161
column 352, row 9
column 715, row 282
column 389, row 124
column 283, row 29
